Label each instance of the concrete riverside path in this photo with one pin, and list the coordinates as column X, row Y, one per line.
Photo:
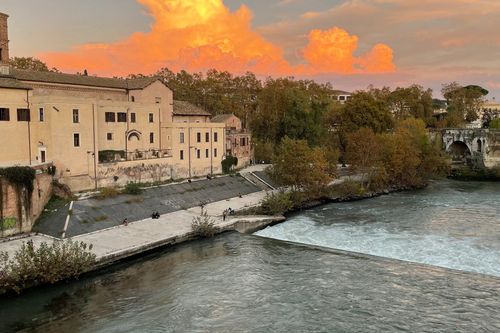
column 122, row 241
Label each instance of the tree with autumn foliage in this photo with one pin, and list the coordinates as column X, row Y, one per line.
column 302, row 168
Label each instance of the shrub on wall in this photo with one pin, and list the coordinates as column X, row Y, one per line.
column 20, row 176
column 228, row 163
column 106, row 156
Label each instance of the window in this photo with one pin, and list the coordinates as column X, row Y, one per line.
column 216, row 137
column 132, row 98
column 110, row 117
column 215, row 152
column 157, row 100
column 76, row 140
column 122, row 117
column 198, row 153
column 206, row 153
column 41, row 114
column 341, row 98
column 207, row 137
column 76, row 116
column 242, row 142
column 151, row 137
column 198, row 137
column 110, row 136
column 4, row 114
column 1, row 54
column 23, row 114
column 182, row 138
column 132, row 117
column 182, row 155
column 151, row 118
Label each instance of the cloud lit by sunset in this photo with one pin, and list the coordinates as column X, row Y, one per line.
column 197, row 35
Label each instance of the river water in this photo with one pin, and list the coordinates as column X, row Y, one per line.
column 447, row 235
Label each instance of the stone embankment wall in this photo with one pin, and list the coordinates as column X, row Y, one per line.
column 18, row 212
column 121, row 173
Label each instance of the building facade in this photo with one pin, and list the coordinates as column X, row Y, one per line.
column 238, row 139
column 102, row 131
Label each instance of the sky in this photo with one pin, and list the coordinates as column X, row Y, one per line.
column 350, row 43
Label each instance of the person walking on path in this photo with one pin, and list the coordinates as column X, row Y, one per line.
column 224, row 214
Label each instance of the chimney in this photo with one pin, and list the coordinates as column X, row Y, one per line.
column 4, row 45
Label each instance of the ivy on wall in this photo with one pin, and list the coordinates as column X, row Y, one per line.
column 22, row 179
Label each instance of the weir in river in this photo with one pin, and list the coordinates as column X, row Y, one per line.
column 446, row 235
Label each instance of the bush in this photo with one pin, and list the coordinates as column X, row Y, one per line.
column 347, row 190
column 495, row 123
column 132, row 189
column 32, row 266
column 277, row 203
column 107, row 192
column 228, row 163
column 204, row 226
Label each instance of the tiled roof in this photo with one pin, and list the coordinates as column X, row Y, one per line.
column 182, row 108
column 81, row 80
column 222, row 118
column 11, row 83
column 341, row 92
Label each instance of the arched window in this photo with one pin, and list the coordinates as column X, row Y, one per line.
column 134, row 135
column 479, row 145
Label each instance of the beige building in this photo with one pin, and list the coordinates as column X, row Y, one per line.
column 102, row 131
column 238, row 139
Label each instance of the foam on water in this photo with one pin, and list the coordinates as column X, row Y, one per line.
column 446, row 228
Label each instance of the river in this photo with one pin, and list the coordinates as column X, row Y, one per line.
column 446, row 279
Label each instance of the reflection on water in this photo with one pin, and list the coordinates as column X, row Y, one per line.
column 450, row 224
column 237, row 283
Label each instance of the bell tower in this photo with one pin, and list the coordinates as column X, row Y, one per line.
column 4, row 45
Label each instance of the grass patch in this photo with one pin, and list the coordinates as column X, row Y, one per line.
column 101, row 218
column 107, row 193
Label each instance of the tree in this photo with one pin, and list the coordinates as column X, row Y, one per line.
column 301, row 167
column 464, row 103
column 363, row 153
column 413, row 101
column 30, row 63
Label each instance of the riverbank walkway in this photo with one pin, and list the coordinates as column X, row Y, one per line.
column 178, row 205
column 122, row 241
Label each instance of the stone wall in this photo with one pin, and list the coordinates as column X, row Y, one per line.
column 19, row 214
column 122, row 173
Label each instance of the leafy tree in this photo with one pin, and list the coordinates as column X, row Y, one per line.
column 30, row 63
column 301, row 167
column 464, row 103
column 413, row 101
column 363, row 152
column 296, row 109
column 263, row 150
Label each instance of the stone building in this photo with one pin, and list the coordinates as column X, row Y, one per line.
column 238, row 139
column 102, row 131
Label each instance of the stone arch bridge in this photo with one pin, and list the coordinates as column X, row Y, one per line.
column 479, row 148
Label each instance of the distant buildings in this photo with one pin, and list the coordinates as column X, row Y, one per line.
column 238, row 139
column 341, row 96
column 102, row 131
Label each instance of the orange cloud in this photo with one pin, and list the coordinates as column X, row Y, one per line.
column 200, row 34
column 332, row 51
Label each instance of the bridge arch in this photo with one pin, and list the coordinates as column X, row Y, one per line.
column 460, row 151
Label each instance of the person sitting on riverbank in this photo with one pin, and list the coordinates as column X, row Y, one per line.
column 125, row 222
column 155, row 215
